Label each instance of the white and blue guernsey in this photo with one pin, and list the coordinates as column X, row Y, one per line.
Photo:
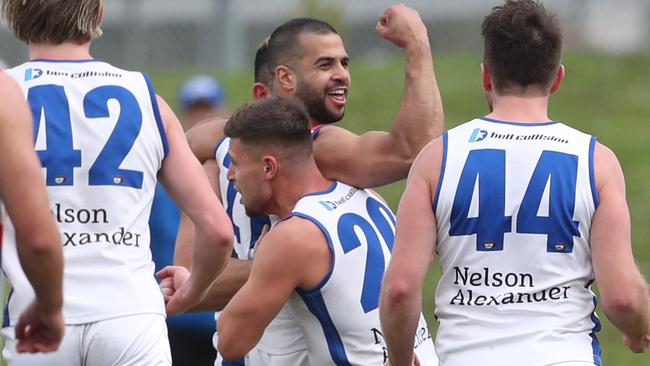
column 340, row 316
column 514, row 206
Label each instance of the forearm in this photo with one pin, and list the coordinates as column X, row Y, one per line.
column 399, row 319
column 630, row 312
column 420, row 117
column 225, row 286
column 184, row 239
column 210, row 253
column 43, row 266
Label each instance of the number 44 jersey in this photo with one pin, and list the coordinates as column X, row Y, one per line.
column 101, row 142
column 514, row 208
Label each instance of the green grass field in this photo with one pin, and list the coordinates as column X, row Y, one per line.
column 602, row 95
column 605, row 96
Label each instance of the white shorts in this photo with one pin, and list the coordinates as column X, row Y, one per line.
column 125, row 341
column 257, row 357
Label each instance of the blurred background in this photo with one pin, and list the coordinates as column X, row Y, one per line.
column 606, row 91
column 167, row 34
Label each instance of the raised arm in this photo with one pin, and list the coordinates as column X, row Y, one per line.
column 415, row 239
column 187, row 184
column 380, row 158
column 204, row 137
column 37, row 237
column 623, row 291
column 283, row 261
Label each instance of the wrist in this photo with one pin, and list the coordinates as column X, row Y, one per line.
column 51, row 306
column 418, row 47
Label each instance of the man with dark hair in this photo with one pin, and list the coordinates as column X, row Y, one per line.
column 104, row 138
column 314, row 259
column 371, row 159
column 525, row 214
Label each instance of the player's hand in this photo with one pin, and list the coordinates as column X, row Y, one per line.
column 403, row 26
column 639, row 345
column 39, row 329
column 172, row 280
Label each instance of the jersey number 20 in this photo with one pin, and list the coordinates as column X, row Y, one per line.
column 375, row 261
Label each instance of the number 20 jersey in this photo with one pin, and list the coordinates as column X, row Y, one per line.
column 514, row 207
column 98, row 133
column 340, row 316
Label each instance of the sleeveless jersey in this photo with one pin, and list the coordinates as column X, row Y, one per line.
column 340, row 316
column 283, row 334
column 101, row 142
column 514, row 208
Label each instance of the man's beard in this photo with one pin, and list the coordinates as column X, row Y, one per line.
column 315, row 104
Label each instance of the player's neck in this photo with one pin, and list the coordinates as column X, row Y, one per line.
column 520, row 109
column 304, row 180
column 65, row 51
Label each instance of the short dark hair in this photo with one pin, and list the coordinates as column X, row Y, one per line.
column 53, row 21
column 275, row 121
column 284, row 44
column 262, row 71
column 522, row 46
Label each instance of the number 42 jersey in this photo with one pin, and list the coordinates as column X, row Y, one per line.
column 101, row 142
column 514, row 207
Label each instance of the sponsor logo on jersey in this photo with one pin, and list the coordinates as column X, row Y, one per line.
column 331, row 205
column 478, row 135
column 31, row 74
column 507, row 288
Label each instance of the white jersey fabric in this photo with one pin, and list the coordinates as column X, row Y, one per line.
column 340, row 316
column 514, row 208
column 283, row 335
column 101, row 141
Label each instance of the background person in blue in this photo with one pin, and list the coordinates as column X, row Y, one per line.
column 190, row 335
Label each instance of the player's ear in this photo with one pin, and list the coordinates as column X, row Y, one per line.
column 270, row 164
column 485, row 75
column 261, row 91
column 285, row 78
column 558, row 79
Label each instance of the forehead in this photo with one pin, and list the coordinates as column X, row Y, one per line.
column 316, row 46
column 240, row 151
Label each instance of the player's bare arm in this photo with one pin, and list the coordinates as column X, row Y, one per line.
column 385, row 157
column 39, row 243
column 623, row 291
column 187, row 184
column 283, row 262
column 228, row 282
column 204, row 137
column 415, row 238
column 185, row 235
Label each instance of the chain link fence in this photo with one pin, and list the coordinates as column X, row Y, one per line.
column 169, row 34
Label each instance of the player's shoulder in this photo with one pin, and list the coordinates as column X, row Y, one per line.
column 297, row 234
column 326, row 136
column 431, row 156
column 294, row 224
